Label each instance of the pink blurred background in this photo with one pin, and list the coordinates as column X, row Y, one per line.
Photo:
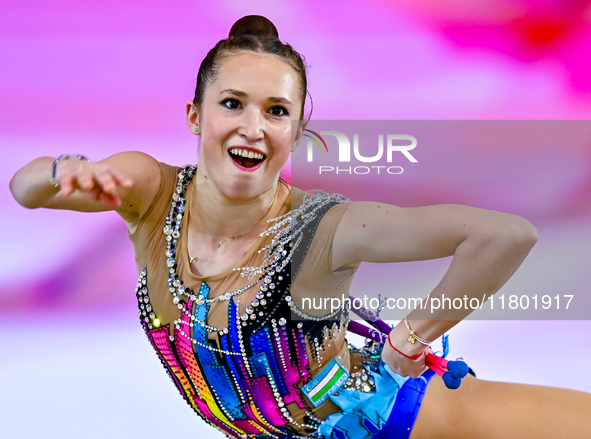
column 97, row 78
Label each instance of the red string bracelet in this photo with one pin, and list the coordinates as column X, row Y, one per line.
column 414, row 357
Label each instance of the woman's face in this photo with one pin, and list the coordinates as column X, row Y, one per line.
column 245, row 123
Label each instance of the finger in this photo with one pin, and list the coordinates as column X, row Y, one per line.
column 66, row 184
column 95, row 193
column 110, row 201
column 415, row 373
column 121, row 178
column 85, row 182
column 107, row 183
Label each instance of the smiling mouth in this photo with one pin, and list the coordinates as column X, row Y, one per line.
column 246, row 158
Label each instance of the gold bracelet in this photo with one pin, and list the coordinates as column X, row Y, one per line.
column 412, row 338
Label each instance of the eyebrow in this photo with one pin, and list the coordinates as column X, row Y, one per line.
column 243, row 94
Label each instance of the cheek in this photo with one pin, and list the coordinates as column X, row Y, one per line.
column 286, row 139
column 283, row 145
column 213, row 140
column 209, row 155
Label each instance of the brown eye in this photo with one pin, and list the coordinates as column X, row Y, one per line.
column 231, row 103
column 279, row 111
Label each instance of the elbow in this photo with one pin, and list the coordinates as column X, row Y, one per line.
column 27, row 204
column 521, row 233
column 527, row 233
column 12, row 186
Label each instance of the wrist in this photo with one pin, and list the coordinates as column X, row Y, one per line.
column 53, row 178
column 398, row 340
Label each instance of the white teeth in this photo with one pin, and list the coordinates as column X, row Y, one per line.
column 246, row 153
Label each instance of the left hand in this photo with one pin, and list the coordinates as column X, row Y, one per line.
column 398, row 362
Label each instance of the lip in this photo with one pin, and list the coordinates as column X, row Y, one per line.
column 247, row 148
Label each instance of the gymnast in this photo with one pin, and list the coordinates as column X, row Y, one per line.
column 226, row 251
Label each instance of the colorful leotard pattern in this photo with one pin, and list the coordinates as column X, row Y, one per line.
column 244, row 385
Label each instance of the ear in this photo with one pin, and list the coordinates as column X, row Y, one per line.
column 192, row 114
column 297, row 127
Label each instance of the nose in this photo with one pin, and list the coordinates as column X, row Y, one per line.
column 252, row 125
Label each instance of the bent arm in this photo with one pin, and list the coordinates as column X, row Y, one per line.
column 487, row 248
column 481, row 265
column 124, row 182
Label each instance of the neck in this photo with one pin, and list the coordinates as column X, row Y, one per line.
column 218, row 217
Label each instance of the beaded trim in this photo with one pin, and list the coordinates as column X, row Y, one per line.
column 274, row 277
column 211, row 348
column 172, row 232
column 146, row 313
column 277, row 257
column 289, row 227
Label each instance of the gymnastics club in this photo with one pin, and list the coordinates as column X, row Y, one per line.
column 451, row 372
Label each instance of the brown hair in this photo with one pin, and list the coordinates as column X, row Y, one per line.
column 253, row 33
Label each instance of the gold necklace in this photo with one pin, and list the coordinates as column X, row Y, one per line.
column 196, row 258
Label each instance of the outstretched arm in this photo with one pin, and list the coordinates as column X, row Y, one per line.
column 125, row 182
column 487, row 246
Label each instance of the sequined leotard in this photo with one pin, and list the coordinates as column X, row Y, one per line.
column 231, row 345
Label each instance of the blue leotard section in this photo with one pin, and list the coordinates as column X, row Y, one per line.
column 406, row 408
column 387, row 413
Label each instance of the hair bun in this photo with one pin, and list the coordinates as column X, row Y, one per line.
column 254, row 25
